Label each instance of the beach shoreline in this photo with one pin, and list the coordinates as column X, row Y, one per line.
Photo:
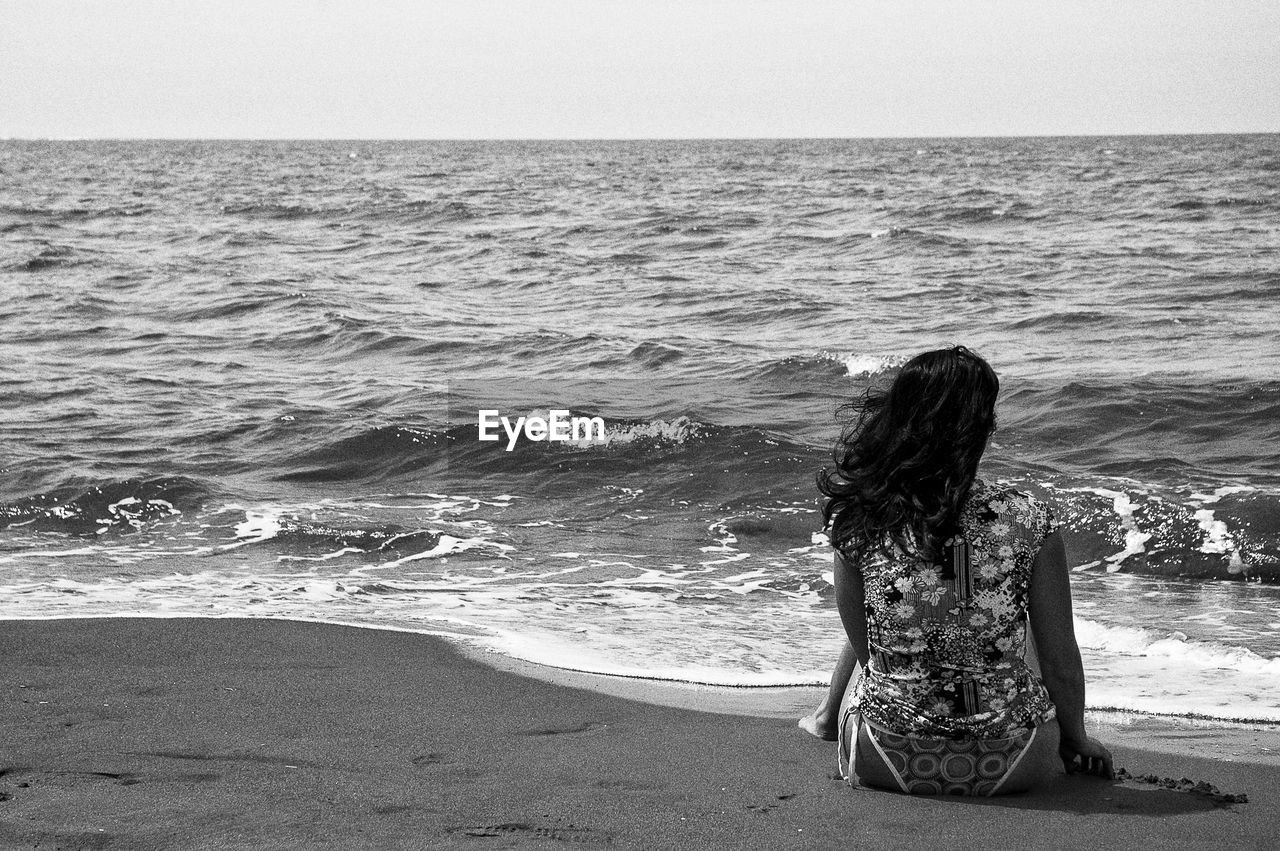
column 1209, row 737
column 227, row 733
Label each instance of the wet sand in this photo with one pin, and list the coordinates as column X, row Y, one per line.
column 230, row 733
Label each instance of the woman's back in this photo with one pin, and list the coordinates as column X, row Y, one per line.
column 936, row 577
column 947, row 640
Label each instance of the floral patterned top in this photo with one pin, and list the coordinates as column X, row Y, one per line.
column 947, row 640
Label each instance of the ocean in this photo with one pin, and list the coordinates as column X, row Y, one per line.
column 245, row 379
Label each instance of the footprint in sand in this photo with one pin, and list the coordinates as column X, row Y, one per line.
column 431, row 759
column 60, row 778
column 585, row 727
column 515, row 829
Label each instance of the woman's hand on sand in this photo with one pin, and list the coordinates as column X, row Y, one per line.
column 1086, row 757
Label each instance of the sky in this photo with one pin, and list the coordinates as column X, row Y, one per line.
column 461, row 69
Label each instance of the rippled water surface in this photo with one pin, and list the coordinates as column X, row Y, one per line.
column 243, row 378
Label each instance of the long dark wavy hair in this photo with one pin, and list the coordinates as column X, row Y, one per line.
column 904, row 467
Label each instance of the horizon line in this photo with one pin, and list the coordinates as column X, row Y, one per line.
column 1120, row 134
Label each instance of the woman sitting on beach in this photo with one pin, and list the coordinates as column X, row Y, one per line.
column 936, row 572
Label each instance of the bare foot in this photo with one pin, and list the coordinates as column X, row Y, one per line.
column 820, row 725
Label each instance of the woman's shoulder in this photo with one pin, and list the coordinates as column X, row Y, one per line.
column 1012, row 505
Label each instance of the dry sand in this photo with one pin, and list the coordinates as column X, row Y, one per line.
column 201, row 733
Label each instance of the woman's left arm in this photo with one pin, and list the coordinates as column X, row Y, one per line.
column 850, row 600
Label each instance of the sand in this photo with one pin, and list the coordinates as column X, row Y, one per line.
column 231, row 733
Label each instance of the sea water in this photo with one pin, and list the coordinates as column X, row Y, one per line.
column 243, row 379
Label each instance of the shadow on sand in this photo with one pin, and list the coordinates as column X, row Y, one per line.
column 1093, row 796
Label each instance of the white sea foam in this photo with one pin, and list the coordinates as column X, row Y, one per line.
column 339, row 553
column 862, row 365
column 1173, row 645
column 724, row 538
column 1217, row 538
column 133, row 511
column 1134, row 538
column 36, row 554
column 445, row 546
column 1138, row 669
column 575, row 654
column 257, row 526
column 677, row 430
column 1219, row 493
